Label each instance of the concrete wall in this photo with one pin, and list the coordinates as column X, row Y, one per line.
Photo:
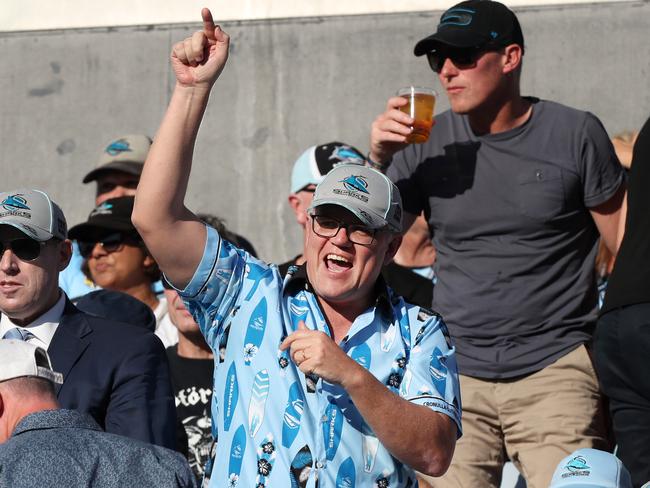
column 288, row 84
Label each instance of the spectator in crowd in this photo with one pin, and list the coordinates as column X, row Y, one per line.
column 42, row 445
column 329, row 351
column 410, row 273
column 517, row 191
column 623, row 143
column 191, row 364
column 117, row 175
column 591, row 468
column 115, row 258
column 309, row 170
column 116, row 372
column 622, row 339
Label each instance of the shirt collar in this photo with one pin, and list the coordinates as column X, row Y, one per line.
column 297, row 280
column 43, row 327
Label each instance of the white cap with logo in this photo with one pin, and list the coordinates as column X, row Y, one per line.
column 20, row 359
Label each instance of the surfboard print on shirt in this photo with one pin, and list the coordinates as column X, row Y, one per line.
column 255, row 332
column 346, row 477
column 255, row 273
column 369, row 446
column 292, row 415
column 237, row 449
column 332, row 430
column 438, row 371
column 298, row 310
column 259, row 393
column 301, row 468
column 388, row 336
column 362, row 355
column 230, row 396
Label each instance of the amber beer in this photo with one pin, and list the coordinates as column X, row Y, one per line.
column 422, row 102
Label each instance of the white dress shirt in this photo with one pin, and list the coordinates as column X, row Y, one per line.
column 43, row 328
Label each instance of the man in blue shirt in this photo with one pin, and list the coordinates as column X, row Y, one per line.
column 327, row 377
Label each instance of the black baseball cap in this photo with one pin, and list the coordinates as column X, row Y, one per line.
column 474, row 23
column 112, row 215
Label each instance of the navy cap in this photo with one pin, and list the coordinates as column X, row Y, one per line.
column 112, row 215
column 474, row 23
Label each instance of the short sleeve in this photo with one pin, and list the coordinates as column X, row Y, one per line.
column 403, row 172
column 212, row 292
column 601, row 172
column 431, row 377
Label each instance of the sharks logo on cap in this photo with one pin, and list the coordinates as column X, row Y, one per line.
column 346, row 154
column 103, row 209
column 118, row 147
column 578, row 463
column 356, row 183
column 15, row 202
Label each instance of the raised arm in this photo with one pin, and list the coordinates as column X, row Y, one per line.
column 172, row 233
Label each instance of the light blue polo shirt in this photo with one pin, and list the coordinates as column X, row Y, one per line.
column 276, row 427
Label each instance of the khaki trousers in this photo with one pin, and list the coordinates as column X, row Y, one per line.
column 534, row 420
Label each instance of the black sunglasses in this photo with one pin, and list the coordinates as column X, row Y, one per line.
column 110, row 243
column 24, row 248
column 462, row 57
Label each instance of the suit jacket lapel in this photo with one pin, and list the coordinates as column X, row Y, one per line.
column 70, row 340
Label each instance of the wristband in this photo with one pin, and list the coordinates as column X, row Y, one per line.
column 378, row 166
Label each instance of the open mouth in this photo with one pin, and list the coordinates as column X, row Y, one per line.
column 336, row 263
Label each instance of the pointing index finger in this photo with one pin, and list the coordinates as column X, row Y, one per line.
column 208, row 23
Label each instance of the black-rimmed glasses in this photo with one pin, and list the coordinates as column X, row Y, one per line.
column 24, row 248
column 329, row 227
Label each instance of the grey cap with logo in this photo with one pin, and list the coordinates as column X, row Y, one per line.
column 367, row 193
column 126, row 154
column 33, row 213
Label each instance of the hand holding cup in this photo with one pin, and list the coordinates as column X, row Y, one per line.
column 420, row 107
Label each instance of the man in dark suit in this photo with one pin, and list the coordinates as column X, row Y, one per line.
column 116, row 372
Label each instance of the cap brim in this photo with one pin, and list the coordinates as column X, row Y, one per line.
column 444, row 38
column 32, row 232
column 130, row 167
column 89, row 232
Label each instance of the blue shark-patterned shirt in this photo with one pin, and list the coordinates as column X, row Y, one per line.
column 276, row 427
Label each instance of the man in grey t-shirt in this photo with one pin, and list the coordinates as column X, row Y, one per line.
column 517, row 191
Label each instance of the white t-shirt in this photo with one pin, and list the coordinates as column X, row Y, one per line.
column 165, row 329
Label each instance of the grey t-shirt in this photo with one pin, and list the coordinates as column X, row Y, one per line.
column 515, row 239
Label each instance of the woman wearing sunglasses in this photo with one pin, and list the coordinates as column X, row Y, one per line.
column 115, row 258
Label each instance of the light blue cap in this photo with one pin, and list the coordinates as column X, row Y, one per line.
column 591, row 468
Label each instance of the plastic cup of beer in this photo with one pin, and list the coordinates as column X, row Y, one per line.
column 422, row 102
